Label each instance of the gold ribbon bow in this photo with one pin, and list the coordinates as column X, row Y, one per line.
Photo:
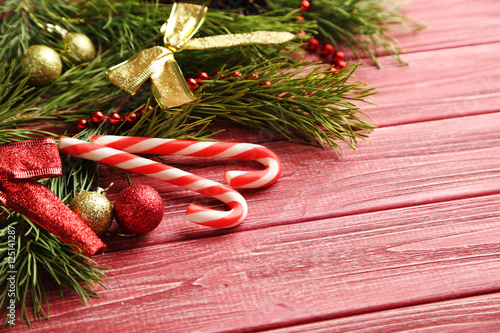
column 168, row 84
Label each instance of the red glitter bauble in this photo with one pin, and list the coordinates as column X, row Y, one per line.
column 138, row 209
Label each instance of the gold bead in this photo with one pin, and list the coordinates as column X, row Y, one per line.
column 79, row 48
column 94, row 209
column 41, row 64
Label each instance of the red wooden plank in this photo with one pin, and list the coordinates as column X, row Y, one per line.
column 436, row 85
column 470, row 314
column 450, row 24
column 397, row 167
column 294, row 274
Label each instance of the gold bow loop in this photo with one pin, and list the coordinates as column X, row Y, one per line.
column 167, row 82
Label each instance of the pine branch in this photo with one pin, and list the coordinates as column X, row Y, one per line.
column 365, row 26
column 42, row 261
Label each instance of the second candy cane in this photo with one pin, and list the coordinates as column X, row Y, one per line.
column 247, row 151
column 134, row 163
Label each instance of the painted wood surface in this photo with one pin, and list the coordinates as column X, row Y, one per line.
column 402, row 234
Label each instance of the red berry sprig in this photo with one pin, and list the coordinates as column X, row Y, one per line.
column 114, row 118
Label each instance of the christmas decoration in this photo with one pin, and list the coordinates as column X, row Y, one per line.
column 93, row 208
column 21, row 161
column 138, row 209
column 316, row 108
column 158, row 63
column 246, row 179
column 80, row 48
column 194, row 213
column 41, row 64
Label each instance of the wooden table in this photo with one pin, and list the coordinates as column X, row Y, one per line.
column 402, row 234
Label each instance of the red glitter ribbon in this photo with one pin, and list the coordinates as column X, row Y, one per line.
column 19, row 162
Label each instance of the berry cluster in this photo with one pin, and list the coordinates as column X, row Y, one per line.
column 193, row 83
column 326, row 51
column 114, row 118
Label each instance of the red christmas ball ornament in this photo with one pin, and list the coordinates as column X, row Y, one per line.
column 192, row 83
column 114, row 118
column 138, row 209
column 305, row 5
column 327, row 50
column 266, row 83
column 97, row 117
column 81, row 124
column 312, row 44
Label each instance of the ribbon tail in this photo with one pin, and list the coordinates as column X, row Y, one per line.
column 169, row 86
column 184, row 21
column 222, row 41
column 132, row 73
column 38, row 203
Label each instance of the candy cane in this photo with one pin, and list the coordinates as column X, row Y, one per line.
column 194, row 213
column 246, row 179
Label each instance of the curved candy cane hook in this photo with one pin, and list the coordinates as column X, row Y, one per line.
column 247, row 151
column 133, row 163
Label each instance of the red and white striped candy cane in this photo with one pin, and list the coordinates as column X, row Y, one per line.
column 194, row 213
column 246, row 179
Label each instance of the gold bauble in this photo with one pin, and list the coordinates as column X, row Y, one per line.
column 41, row 64
column 79, row 47
column 94, row 209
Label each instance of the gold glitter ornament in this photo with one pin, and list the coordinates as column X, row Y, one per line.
column 93, row 208
column 41, row 64
column 79, row 48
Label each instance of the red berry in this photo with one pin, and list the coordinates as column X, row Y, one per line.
column 143, row 109
column 265, row 83
column 81, row 124
column 300, row 19
column 305, row 5
column 203, row 76
column 340, row 64
column 235, row 74
column 302, row 32
column 97, row 117
column 312, row 44
column 114, row 118
column 327, row 49
column 131, row 117
column 254, row 76
column 192, row 83
column 337, row 56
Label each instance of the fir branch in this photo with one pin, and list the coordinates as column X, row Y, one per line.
column 305, row 101
column 40, row 260
column 364, row 26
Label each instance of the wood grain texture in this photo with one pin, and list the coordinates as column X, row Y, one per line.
column 468, row 314
column 287, row 275
column 437, row 84
column 402, row 234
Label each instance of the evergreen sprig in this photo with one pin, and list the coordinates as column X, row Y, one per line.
column 365, row 26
